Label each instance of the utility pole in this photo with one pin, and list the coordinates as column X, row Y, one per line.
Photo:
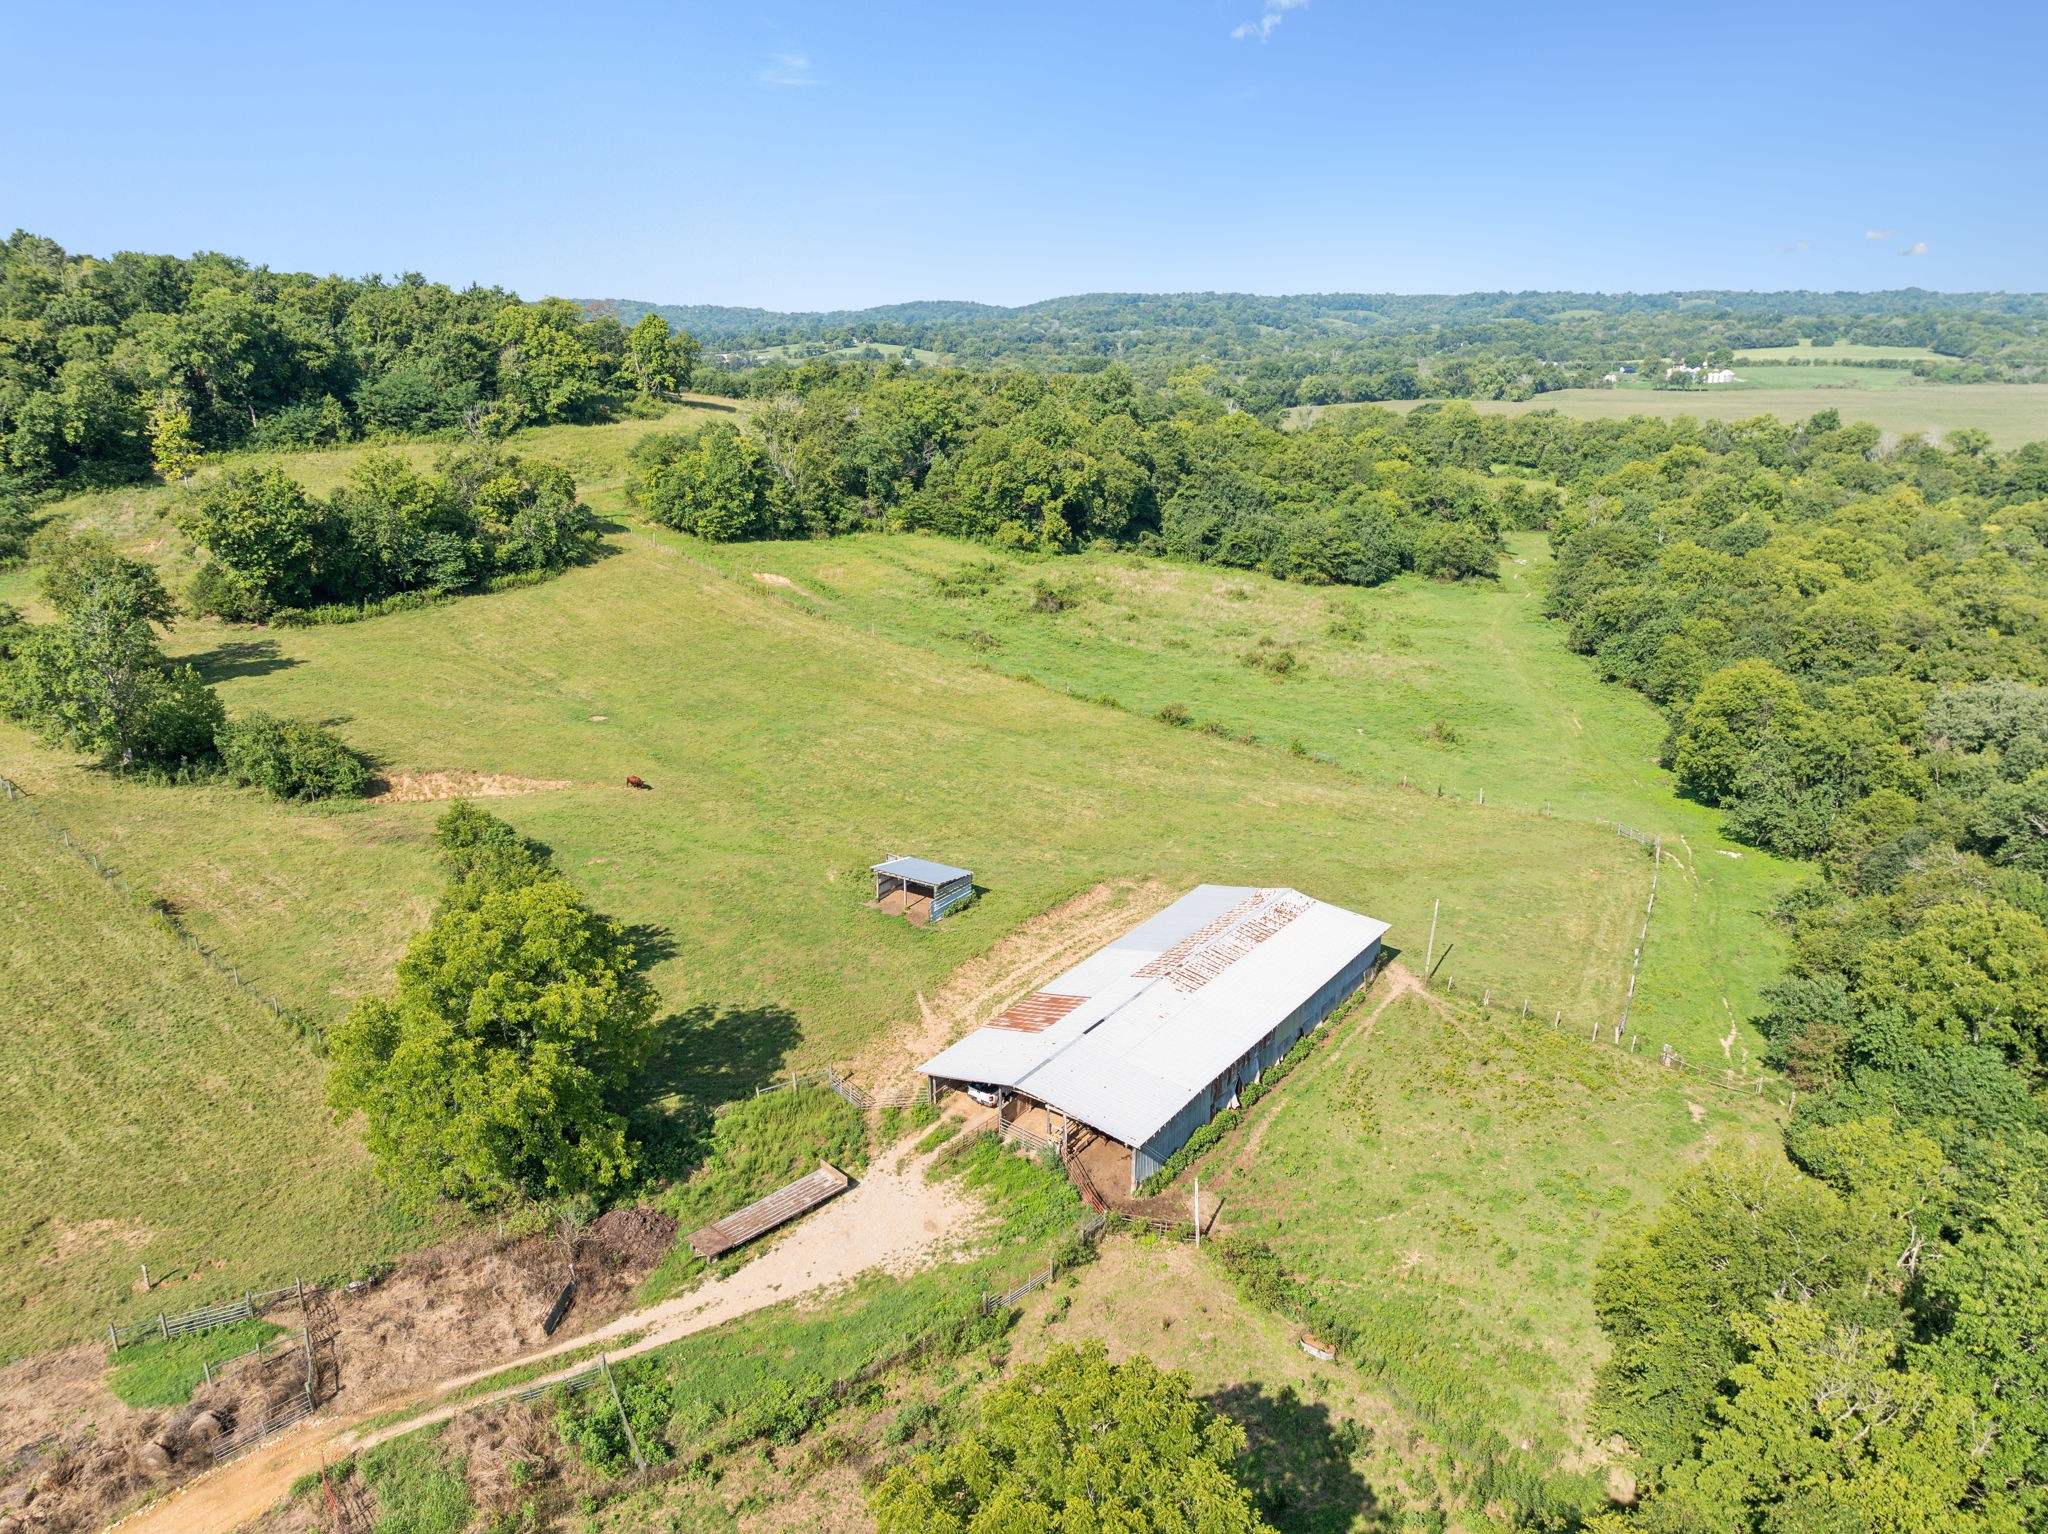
column 1198, row 1213
column 1431, row 955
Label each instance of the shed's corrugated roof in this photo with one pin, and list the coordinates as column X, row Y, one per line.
column 922, row 871
column 1168, row 1007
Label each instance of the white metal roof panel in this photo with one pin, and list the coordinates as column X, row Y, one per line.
column 1169, row 1006
column 921, row 870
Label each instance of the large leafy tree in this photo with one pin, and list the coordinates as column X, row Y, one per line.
column 519, row 1020
column 261, row 527
column 1736, row 711
column 1079, row 1443
column 1740, row 1230
column 1822, row 1432
column 97, row 679
column 662, row 359
column 715, row 482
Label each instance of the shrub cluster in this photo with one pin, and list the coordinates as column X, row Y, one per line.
column 389, row 534
column 290, row 758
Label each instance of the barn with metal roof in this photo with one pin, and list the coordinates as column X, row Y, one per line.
column 1149, row 1038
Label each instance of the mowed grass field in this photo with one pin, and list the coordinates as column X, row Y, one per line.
column 2014, row 414
column 1444, row 1178
column 1466, row 687
column 154, row 1115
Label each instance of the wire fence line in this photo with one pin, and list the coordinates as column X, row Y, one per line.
column 1619, row 1038
column 1085, row 1233
column 301, row 1022
column 205, row 1318
column 850, row 1092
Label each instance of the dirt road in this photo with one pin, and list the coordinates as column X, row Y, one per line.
column 893, row 1219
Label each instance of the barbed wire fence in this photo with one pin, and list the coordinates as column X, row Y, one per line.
column 299, row 1021
column 1618, row 1034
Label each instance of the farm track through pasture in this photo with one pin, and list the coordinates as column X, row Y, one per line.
column 894, row 1219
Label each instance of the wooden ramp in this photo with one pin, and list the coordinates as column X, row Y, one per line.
column 778, row 1208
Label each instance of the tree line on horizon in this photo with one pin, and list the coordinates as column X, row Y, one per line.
column 112, row 368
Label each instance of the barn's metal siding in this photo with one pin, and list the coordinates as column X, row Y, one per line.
column 1155, row 1152
column 948, row 896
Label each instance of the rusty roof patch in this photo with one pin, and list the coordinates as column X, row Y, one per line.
column 1202, row 955
column 1037, row 1012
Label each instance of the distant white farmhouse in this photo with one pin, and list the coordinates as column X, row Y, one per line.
column 1723, row 375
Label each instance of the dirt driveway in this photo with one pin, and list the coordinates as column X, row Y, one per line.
column 893, row 1220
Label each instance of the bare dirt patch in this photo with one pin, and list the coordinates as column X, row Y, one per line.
column 1028, row 957
column 74, row 1455
column 767, row 578
column 425, row 787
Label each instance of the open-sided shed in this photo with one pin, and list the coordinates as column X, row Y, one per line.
column 1148, row 1039
column 920, row 889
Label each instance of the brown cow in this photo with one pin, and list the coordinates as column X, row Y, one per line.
column 634, row 780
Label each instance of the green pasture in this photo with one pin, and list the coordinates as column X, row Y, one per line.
column 1465, row 688
column 786, row 754
column 1444, row 1180
column 154, row 1115
column 2013, row 414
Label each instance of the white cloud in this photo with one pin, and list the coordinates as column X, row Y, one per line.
column 1917, row 248
column 1879, row 234
column 787, row 69
column 1271, row 17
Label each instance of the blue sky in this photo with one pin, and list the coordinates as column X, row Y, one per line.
column 823, row 155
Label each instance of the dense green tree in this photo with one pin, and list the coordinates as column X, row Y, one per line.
column 1736, row 710
column 1968, row 972
column 260, row 527
column 715, row 482
column 97, row 679
column 1822, row 1432
column 662, row 360
column 1740, row 1231
column 1453, row 551
column 1076, row 1442
column 498, row 1069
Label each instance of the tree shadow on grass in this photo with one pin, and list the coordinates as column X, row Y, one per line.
column 652, row 944
column 702, row 1056
column 240, row 657
column 1298, row 1462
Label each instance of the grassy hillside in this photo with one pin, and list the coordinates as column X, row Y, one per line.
column 1444, row 1177
column 1467, row 687
column 153, row 1115
column 785, row 755
column 785, row 752
column 2012, row 413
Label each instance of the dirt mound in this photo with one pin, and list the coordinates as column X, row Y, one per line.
column 72, row 1456
column 423, row 787
column 640, row 1236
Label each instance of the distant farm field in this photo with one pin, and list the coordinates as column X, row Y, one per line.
column 1841, row 351
column 2012, row 413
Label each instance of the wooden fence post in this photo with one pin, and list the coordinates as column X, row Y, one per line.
column 114, row 1336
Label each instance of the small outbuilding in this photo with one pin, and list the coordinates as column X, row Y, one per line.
column 920, row 890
